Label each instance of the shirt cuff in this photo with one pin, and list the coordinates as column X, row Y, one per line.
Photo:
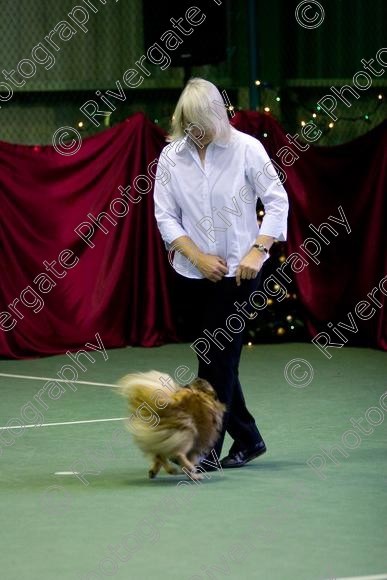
column 170, row 232
column 274, row 227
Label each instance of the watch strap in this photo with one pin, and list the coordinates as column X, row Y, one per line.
column 261, row 248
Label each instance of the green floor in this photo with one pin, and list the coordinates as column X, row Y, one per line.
column 275, row 519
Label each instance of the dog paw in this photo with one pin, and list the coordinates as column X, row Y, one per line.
column 152, row 474
column 196, row 476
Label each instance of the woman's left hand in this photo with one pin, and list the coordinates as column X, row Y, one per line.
column 250, row 266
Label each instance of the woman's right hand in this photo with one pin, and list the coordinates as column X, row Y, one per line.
column 212, row 267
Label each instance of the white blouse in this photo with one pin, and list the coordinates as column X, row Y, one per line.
column 215, row 205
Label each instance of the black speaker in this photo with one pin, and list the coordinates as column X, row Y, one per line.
column 192, row 32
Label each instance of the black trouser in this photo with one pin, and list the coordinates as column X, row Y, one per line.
column 208, row 306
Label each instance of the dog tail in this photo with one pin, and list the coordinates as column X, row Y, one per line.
column 141, row 388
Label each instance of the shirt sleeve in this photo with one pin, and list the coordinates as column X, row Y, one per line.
column 167, row 211
column 267, row 185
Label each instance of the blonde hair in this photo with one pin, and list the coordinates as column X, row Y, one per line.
column 201, row 105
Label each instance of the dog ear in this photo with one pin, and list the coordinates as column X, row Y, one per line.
column 203, row 385
column 198, row 383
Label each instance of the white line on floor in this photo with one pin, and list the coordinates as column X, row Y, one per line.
column 64, row 423
column 58, row 380
column 377, row 577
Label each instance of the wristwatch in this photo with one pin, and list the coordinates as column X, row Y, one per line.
column 261, row 248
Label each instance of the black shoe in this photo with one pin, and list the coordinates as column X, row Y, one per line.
column 240, row 458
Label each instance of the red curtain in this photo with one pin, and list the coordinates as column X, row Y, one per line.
column 120, row 287
column 351, row 176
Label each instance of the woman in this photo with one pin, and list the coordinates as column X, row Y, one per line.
column 206, row 212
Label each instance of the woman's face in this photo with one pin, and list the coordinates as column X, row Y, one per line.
column 197, row 133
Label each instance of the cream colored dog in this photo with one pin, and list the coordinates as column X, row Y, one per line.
column 181, row 422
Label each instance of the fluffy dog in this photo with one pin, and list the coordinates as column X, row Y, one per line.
column 172, row 421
